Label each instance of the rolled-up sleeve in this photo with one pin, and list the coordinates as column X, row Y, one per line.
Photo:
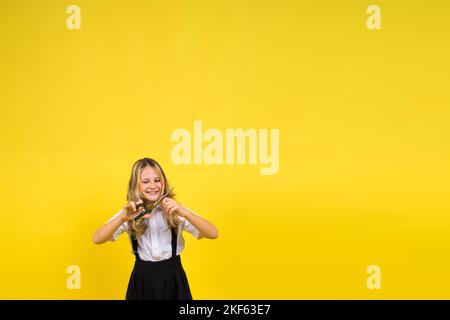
column 189, row 227
column 120, row 230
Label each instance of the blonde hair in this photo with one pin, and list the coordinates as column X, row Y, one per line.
column 133, row 193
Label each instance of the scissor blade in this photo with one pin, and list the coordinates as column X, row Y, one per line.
column 162, row 197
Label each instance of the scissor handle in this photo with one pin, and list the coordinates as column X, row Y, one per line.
column 140, row 215
column 142, row 204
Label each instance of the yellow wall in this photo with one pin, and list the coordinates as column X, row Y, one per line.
column 364, row 152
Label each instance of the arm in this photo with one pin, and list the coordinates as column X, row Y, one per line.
column 105, row 232
column 206, row 228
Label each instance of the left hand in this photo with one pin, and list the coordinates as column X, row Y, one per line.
column 170, row 207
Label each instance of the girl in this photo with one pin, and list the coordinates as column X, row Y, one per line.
column 156, row 239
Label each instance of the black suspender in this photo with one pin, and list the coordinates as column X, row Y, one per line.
column 134, row 244
column 174, row 242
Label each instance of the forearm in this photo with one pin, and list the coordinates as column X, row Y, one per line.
column 206, row 228
column 105, row 232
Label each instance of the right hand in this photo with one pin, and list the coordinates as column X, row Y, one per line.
column 129, row 211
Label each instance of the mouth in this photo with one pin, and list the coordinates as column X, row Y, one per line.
column 152, row 193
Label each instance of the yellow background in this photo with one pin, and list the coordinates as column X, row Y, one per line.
column 364, row 143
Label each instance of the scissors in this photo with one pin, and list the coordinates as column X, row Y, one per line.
column 148, row 209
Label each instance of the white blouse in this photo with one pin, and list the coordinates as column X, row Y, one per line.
column 155, row 244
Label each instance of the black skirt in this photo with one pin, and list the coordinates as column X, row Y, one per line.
column 158, row 280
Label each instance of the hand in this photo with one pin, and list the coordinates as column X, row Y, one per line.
column 130, row 211
column 170, row 207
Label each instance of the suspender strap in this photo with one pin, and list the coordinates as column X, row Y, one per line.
column 134, row 243
column 174, row 242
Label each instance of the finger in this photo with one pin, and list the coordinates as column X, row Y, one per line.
column 133, row 205
column 174, row 203
column 166, row 211
column 129, row 209
column 168, row 204
column 167, row 207
column 172, row 209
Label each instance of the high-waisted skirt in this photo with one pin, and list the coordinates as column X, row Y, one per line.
column 159, row 280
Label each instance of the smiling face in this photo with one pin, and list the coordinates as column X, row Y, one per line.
column 151, row 185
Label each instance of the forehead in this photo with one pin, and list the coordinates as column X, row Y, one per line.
column 149, row 172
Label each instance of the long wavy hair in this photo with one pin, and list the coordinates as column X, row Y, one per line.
column 133, row 194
